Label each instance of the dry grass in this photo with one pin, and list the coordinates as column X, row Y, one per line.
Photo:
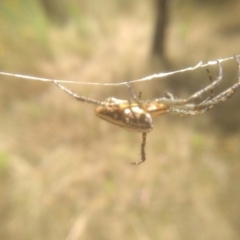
column 66, row 174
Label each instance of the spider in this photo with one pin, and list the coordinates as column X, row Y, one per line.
column 136, row 114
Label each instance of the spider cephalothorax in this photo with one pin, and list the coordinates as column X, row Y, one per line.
column 136, row 114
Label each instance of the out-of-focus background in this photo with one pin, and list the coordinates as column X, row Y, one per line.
column 64, row 173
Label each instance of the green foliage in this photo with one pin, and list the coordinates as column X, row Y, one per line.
column 23, row 29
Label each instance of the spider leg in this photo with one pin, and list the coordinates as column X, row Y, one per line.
column 224, row 95
column 143, row 155
column 144, row 134
column 191, row 109
column 139, row 95
column 211, row 80
column 135, row 98
column 177, row 101
column 76, row 96
column 168, row 95
column 211, row 90
column 210, row 87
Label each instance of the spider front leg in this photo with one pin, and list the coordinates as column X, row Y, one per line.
column 171, row 101
column 197, row 109
column 211, row 80
column 77, row 97
column 143, row 155
column 224, row 95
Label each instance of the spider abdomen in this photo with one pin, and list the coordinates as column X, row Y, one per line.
column 125, row 114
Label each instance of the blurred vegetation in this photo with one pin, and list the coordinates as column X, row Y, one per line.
column 66, row 174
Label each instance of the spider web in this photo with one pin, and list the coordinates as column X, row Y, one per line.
column 147, row 78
